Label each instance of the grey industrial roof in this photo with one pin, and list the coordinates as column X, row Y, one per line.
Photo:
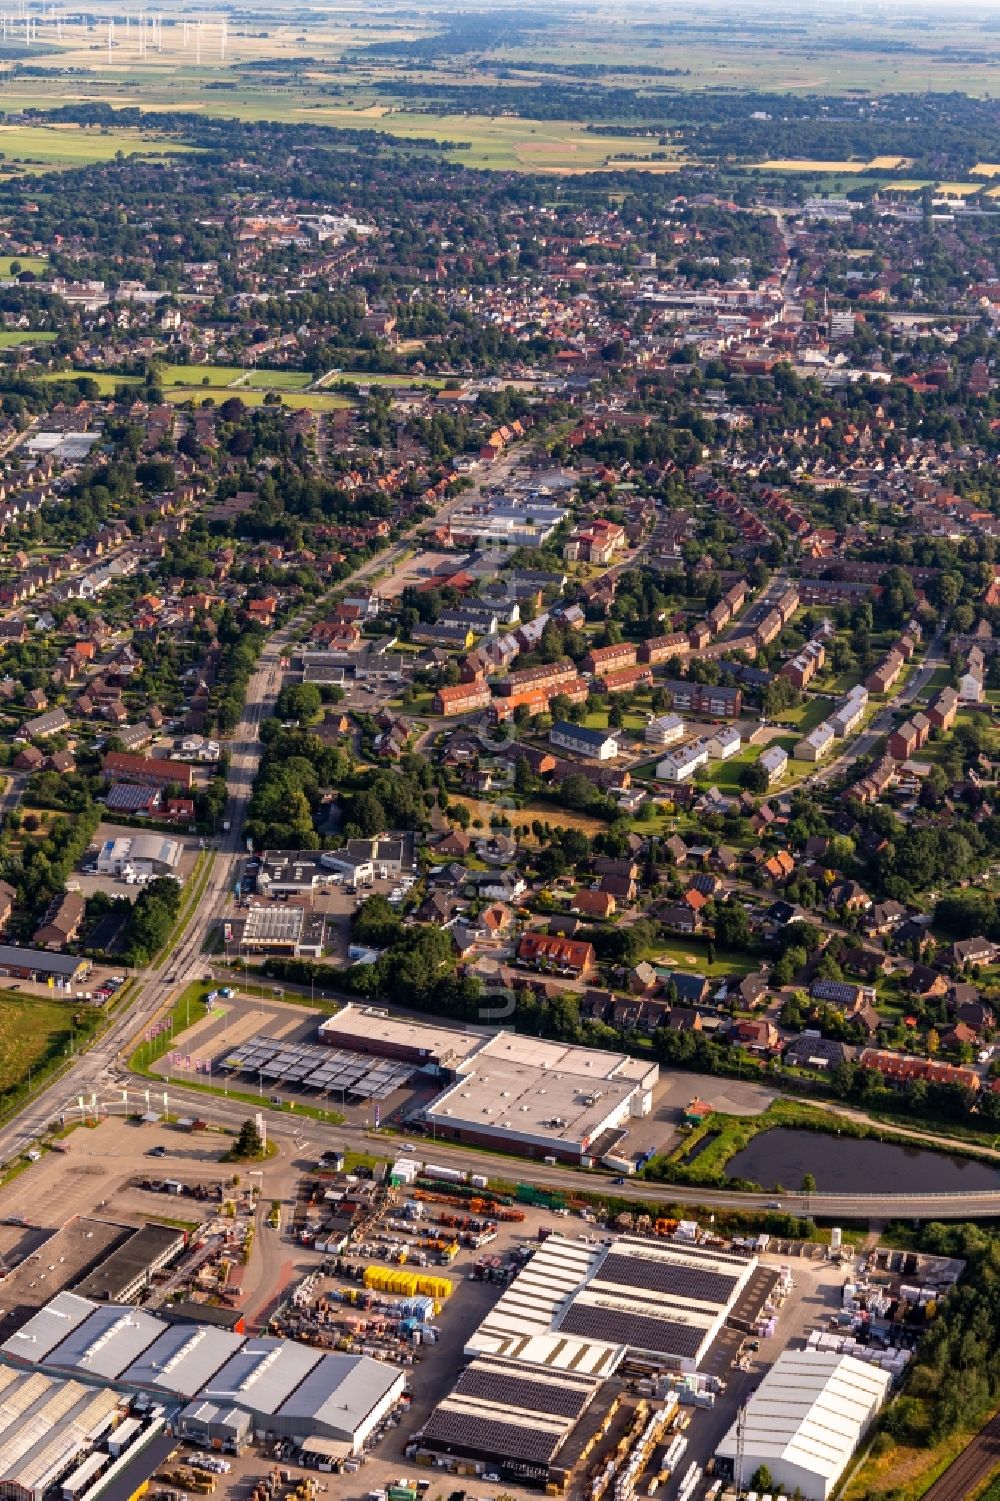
column 48, row 1328
column 340, row 1392
column 226, row 1374
column 39, row 959
column 184, row 1358
column 233, row 1418
column 263, row 1374
column 106, row 1343
column 113, row 1276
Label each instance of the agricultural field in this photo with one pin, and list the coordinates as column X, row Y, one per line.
column 55, row 147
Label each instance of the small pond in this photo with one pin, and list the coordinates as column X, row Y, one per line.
column 847, row 1164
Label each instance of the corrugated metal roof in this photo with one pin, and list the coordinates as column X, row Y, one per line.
column 106, row 1343
column 48, row 1328
column 262, row 1375
column 184, row 1358
column 340, row 1392
column 811, row 1410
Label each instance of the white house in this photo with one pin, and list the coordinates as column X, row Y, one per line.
column 816, row 744
column 665, row 730
column 725, row 743
column 774, row 761
column 593, row 745
column 681, row 764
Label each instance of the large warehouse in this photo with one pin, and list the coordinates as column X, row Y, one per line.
column 47, row 1428
column 531, row 1426
column 287, row 1390
column 541, row 1098
column 805, row 1421
column 659, row 1304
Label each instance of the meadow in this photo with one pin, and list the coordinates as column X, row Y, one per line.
column 32, row 1033
column 56, row 147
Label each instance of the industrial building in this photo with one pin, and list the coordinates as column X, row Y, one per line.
column 298, row 873
column 65, row 1256
column 805, row 1421
column 283, row 1389
column 532, row 1427
column 283, row 930
column 502, row 1089
column 48, row 1432
column 123, row 1276
column 142, row 854
column 657, row 1304
column 61, row 971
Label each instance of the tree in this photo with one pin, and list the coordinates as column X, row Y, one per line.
column 808, row 1183
column 754, row 777
column 761, row 1480
column 249, row 1143
column 732, row 926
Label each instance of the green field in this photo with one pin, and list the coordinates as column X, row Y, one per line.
column 35, row 263
column 52, row 147
column 280, row 380
column 201, row 375
column 312, row 401
column 20, row 338
column 370, row 378
column 107, row 383
column 32, row 1034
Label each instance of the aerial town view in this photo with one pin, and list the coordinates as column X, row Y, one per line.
column 499, row 750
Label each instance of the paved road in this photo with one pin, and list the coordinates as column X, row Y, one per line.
column 289, row 1129
column 883, row 721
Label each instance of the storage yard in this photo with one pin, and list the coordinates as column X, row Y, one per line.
column 407, row 1328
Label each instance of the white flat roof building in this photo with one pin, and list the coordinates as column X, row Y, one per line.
column 507, row 1089
column 806, row 1419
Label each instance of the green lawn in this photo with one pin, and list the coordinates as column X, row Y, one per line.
column 34, row 1032
column 367, row 378
column 312, row 401
column 35, row 263
column 280, row 380
column 16, row 338
column 690, row 953
column 107, row 382
column 807, row 715
column 201, row 375
column 55, row 146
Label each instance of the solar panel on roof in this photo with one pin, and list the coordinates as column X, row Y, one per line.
column 505, row 1389
column 620, row 1327
column 512, row 1440
column 676, row 1280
